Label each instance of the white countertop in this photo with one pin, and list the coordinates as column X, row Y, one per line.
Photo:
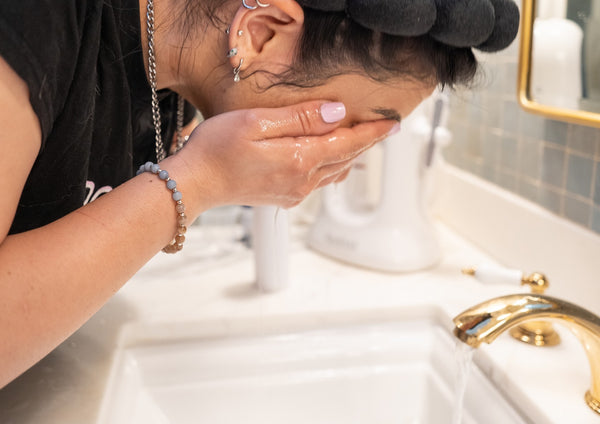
column 193, row 287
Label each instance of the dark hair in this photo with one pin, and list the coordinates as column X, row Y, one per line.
column 333, row 44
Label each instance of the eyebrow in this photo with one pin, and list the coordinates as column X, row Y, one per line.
column 388, row 113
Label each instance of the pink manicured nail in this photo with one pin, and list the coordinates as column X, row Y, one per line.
column 333, row 112
column 395, row 129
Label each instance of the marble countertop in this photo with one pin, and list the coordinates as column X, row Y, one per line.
column 211, row 283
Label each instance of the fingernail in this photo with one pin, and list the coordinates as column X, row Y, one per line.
column 396, row 128
column 333, row 112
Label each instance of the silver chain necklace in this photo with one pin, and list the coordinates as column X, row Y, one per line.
column 158, row 142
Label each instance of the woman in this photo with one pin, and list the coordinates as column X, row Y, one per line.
column 293, row 92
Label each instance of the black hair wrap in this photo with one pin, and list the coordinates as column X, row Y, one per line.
column 487, row 25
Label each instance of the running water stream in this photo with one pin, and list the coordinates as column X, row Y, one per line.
column 464, row 361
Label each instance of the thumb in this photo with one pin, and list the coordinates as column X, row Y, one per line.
column 310, row 118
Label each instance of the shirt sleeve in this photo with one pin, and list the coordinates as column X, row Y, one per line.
column 40, row 40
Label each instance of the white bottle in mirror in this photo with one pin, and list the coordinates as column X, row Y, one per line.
column 556, row 62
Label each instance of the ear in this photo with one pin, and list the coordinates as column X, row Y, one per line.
column 266, row 37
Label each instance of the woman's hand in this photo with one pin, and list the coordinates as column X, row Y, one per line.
column 275, row 156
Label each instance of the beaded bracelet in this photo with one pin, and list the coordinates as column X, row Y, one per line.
column 177, row 243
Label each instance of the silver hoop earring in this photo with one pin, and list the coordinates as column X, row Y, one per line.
column 248, row 7
column 236, row 71
column 261, row 4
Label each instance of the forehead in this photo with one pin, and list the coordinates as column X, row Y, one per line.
column 368, row 100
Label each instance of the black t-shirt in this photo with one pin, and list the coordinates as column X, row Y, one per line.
column 82, row 61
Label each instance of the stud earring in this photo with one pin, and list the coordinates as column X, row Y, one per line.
column 236, row 71
column 240, row 33
column 228, row 30
column 231, row 53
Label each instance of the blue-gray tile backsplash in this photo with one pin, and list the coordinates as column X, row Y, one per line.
column 549, row 162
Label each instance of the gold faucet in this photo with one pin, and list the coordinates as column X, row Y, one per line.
column 486, row 321
column 536, row 333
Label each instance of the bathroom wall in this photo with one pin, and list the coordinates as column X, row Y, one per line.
column 551, row 163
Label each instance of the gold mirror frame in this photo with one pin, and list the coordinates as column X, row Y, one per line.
column 524, row 77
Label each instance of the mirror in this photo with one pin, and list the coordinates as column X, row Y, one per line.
column 559, row 64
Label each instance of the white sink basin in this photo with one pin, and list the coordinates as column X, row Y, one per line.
column 378, row 373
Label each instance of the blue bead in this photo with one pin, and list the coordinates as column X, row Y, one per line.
column 155, row 168
column 148, row 166
column 171, row 184
column 163, row 175
column 177, row 196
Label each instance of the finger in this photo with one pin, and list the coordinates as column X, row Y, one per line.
column 305, row 119
column 345, row 144
column 331, row 173
column 334, row 179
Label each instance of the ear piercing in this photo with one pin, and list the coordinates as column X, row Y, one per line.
column 236, row 71
column 234, row 51
column 228, row 31
column 258, row 4
column 248, row 7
